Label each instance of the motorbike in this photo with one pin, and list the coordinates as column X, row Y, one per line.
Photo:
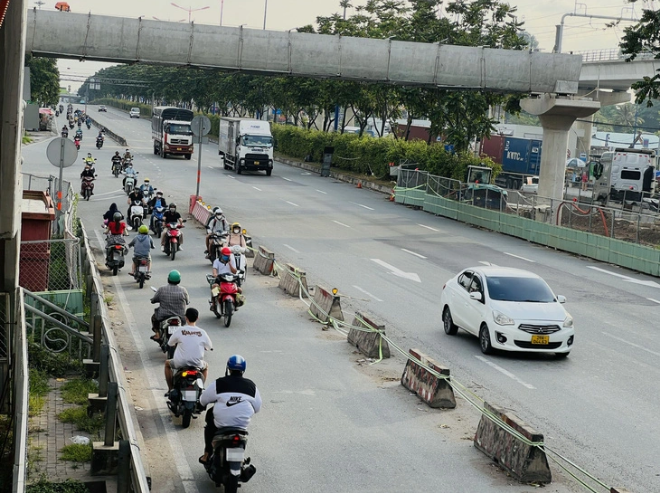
column 216, row 242
column 76, row 142
column 227, row 464
column 71, row 125
column 115, row 253
column 224, row 297
column 137, row 213
column 240, row 262
column 57, row 113
column 65, row 134
column 129, row 184
column 185, row 394
column 89, row 125
column 61, row 108
column 87, row 187
column 141, row 270
column 99, row 143
column 157, row 225
column 126, row 163
column 172, row 241
column 80, row 123
column 79, row 134
column 116, row 168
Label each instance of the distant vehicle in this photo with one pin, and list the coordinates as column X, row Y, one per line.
column 82, row 101
column 621, row 174
column 245, row 144
column 531, row 185
column 507, row 309
column 103, row 108
column 519, row 158
column 62, row 7
column 171, row 131
column 134, row 113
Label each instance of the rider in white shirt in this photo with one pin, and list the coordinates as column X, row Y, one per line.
column 190, row 342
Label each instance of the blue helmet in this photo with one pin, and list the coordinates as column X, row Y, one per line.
column 236, row 363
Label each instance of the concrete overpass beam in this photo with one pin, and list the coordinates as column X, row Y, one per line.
column 584, row 128
column 557, row 116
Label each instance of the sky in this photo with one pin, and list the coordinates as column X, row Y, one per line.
column 540, row 18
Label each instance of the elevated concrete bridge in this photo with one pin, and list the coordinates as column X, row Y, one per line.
column 123, row 40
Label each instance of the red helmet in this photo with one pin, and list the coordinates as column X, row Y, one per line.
column 226, row 251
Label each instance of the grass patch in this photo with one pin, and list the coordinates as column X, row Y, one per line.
column 68, row 486
column 76, row 452
column 79, row 417
column 107, row 299
column 53, row 364
column 38, row 390
column 26, row 139
column 75, row 391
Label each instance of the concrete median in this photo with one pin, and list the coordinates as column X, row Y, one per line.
column 109, row 133
column 326, row 305
column 434, row 391
column 368, row 341
column 289, row 280
column 264, row 261
column 527, row 463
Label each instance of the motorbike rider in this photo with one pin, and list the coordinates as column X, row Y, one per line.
column 190, row 341
column 101, row 135
column 65, row 132
column 88, row 172
column 147, row 189
column 172, row 216
column 115, row 231
column 235, row 398
column 135, row 196
column 129, row 171
column 225, row 265
column 172, row 300
column 236, row 236
column 142, row 244
column 115, row 159
column 156, row 202
column 127, row 155
column 216, row 224
column 89, row 159
column 79, row 133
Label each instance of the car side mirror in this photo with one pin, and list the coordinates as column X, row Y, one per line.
column 476, row 295
column 561, row 299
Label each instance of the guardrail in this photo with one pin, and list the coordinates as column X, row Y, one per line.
column 20, row 374
column 139, row 481
column 612, row 54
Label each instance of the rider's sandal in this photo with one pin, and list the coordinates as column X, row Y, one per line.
column 202, row 461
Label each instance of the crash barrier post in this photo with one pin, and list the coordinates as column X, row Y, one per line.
column 264, row 261
column 200, row 211
column 368, row 342
column 522, row 456
column 619, row 490
column 124, row 467
column 326, row 305
column 97, row 401
column 105, row 454
column 292, row 279
column 434, row 391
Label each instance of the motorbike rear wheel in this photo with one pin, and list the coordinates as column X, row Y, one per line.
column 173, row 251
column 186, row 417
column 115, row 268
column 158, row 231
column 231, row 484
column 141, row 280
column 137, row 222
column 227, row 312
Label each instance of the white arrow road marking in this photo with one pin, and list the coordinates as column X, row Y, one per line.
column 505, row 372
column 428, row 227
column 399, row 273
column 516, row 256
column 285, row 178
column 342, row 224
column 321, row 191
column 413, row 253
column 651, row 284
column 258, row 189
column 630, row 343
column 291, row 248
column 364, row 206
column 367, row 293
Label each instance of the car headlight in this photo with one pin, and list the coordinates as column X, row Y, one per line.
column 569, row 321
column 501, row 318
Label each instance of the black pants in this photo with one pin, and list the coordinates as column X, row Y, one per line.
column 209, row 432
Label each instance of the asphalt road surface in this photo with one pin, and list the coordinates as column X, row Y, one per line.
column 599, row 407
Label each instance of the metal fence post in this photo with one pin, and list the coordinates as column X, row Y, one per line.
column 111, row 415
column 97, row 321
column 124, row 467
column 613, row 224
column 104, row 357
column 638, row 229
column 94, row 305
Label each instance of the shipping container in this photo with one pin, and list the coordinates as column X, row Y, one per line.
column 493, row 148
column 521, row 158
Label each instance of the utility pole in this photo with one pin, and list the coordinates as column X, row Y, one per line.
column 559, row 29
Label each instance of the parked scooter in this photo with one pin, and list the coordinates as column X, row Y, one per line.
column 185, row 394
column 228, row 464
column 87, row 187
column 137, row 213
column 172, row 239
column 224, row 296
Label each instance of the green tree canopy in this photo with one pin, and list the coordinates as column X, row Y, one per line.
column 44, row 79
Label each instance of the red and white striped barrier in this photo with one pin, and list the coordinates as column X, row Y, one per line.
column 198, row 209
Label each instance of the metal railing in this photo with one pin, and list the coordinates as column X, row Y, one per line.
column 20, row 376
column 50, row 184
column 50, row 265
column 612, row 54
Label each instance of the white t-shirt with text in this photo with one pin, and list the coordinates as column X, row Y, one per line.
column 191, row 342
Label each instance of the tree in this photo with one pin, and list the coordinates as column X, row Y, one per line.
column 643, row 38
column 44, row 80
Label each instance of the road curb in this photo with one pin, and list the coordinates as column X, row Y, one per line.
column 117, row 138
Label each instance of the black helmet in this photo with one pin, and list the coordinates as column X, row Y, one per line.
column 117, row 216
column 172, row 205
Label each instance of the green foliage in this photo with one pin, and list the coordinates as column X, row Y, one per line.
column 44, row 79
column 371, row 156
column 76, row 452
column 68, row 486
column 54, row 364
column 26, row 139
column 78, row 416
column 76, row 391
column 38, row 385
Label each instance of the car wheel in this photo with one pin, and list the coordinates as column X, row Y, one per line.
column 561, row 355
column 485, row 340
column 448, row 325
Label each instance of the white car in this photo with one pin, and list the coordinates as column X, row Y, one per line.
column 507, row 309
column 134, row 113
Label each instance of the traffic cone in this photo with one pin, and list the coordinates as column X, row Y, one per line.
column 359, row 184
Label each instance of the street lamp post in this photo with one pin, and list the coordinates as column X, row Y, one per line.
column 189, row 10
column 266, row 5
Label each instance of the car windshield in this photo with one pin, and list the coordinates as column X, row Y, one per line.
column 180, row 129
column 257, row 140
column 520, row 289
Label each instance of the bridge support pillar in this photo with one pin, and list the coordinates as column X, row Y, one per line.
column 606, row 98
column 557, row 115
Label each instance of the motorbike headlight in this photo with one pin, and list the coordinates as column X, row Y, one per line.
column 568, row 322
column 501, row 318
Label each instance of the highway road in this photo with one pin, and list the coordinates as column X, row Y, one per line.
column 599, row 407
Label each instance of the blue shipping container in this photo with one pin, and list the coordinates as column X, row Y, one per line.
column 522, row 156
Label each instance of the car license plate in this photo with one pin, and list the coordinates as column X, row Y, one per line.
column 178, row 148
column 189, row 395
column 539, row 340
column 235, row 454
column 117, row 256
column 172, row 329
column 256, row 162
column 142, row 268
